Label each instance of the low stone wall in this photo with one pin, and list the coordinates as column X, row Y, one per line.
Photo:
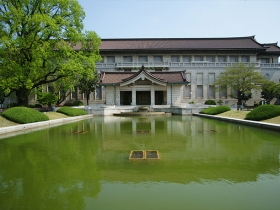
column 244, row 122
column 23, row 128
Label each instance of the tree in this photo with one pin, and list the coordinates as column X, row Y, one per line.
column 62, row 89
column 268, row 91
column 239, row 78
column 42, row 41
column 87, row 86
column 47, row 98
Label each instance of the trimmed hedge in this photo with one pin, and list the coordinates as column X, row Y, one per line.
column 263, row 112
column 215, row 110
column 24, row 115
column 72, row 112
column 210, row 102
column 77, row 103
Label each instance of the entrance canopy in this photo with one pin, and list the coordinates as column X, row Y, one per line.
column 127, row 78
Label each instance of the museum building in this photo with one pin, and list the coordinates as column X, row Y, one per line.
column 176, row 71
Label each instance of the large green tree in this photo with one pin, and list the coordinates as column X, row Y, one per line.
column 240, row 78
column 268, row 91
column 42, row 41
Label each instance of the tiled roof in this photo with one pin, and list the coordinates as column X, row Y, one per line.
column 272, row 47
column 109, row 78
column 181, row 44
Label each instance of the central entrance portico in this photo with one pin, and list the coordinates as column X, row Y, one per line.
column 143, row 87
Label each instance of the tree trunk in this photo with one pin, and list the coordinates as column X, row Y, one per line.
column 87, row 95
column 22, row 96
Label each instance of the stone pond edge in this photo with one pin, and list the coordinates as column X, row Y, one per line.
column 265, row 125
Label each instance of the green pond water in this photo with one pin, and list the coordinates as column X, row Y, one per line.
column 203, row 164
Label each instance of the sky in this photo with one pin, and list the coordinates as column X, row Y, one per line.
column 183, row 18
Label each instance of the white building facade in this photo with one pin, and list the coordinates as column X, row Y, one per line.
column 202, row 60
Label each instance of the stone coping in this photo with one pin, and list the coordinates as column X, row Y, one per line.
column 23, row 128
column 271, row 126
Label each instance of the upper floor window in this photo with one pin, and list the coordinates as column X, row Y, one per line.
column 127, row 58
column 186, row 58
column 142, row 59
column 175, row 58
column 158, row 58
column 110, row 59
column 265, row 60
column 233, row 59
column 222, row 58
column 210, row 58
column 245, row 59
column 198, row 58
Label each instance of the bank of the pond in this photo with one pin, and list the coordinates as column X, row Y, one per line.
column 20, row 128
column 266, row 125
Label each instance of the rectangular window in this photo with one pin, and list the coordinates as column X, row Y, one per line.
column 158, row 58
column 186, row 58
column 221, row 58
column 223, row 92
column 110, row 59
column 175, row 58
column 210, row 58
column 187, row 91
column 245, row 59
column 127, row 58
column 233, row 59
column 265, row 60
column 211, row 91
column 142, row 59
column 199, row 91
column 198, row 58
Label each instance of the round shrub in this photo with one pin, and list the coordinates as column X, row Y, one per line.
column 210, row 102
column 24, row 115
column 215, row 110
column 263, row 112
column 77, row 103
column 69, row 111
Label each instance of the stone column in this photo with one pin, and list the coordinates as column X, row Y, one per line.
column 152, row 95
column 133, row 96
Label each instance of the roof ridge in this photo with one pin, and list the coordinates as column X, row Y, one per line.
column 182, row 38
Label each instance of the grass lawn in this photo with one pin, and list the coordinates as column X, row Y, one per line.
column 242, row 115
column 230, row 114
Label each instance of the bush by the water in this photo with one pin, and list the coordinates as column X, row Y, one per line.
column 210, row 102
column 263, row 112
column 24, row 115
column 215, row 110
column 77, row 103
column 71, row 111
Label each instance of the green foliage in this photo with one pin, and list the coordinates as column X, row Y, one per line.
column 87, row 85
column 69, row 111
column 210, row 102
column 263, row 112
column 215, row 110
column 239, row 78
column 47, row 98
column 270, row 90
column 77, row 103
column 24, row 115
column 42, row 42
column 220, row 102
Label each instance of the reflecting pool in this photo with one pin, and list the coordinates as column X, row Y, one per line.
column 203, row 164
